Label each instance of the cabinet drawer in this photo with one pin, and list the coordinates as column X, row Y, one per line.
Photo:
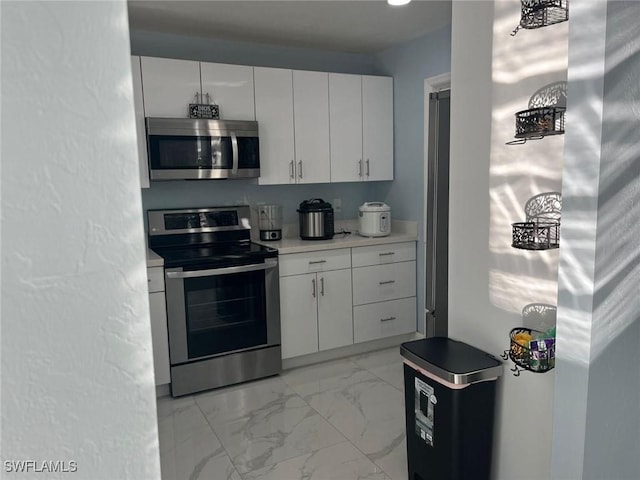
column 299, row 263
column 381, row 254
column 384, row 282
column 384, row 319
column 155, row 278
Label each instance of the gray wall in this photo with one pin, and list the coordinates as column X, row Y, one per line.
column 410, row 64
column 154, row 44
column 597, row 393
column 210, row 193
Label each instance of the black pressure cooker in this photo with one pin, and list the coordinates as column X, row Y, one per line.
column 316, row 220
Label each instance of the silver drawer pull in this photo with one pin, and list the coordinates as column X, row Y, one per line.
column 385, row 254
column 313, row 288
column 317, row 261
column 387, row 319
column 387, row 282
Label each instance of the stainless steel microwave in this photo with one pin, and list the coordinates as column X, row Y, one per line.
column 196, row 148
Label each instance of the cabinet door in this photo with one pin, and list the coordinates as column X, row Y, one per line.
column 377, row 127
column 274, row 113
column 159, row 337
column 335, row 312
column 311, row 121
column 169, row 86
column 141, row 134
column 231, row 88
column 345, row 121
column 298, row 315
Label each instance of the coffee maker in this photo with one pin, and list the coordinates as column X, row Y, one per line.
column 270, row 222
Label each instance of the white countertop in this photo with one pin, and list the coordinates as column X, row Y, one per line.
column 153, row 259
column 401, row 231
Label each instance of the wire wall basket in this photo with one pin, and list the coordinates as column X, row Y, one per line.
column 537, row 123
column 535, row 235
column 529, row 352
column 541, row 13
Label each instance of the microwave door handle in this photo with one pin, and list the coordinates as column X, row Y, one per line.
column 269, row 264
column 234, row 149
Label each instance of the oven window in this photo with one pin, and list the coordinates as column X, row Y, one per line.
column 225, row 313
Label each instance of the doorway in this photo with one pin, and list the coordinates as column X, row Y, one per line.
column 436, row 219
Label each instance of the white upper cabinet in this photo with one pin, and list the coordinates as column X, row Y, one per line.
column 311, row 126
column 231, row 88
column 345, row 119
column 274, row 113
column 169, row 86
column 141, row 134
column 377, row 127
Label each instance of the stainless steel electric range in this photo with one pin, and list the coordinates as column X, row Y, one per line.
column 222, row 294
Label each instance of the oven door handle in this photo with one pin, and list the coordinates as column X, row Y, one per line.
column 269, row 264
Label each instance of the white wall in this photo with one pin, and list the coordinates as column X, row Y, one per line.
column 77, row 372
column 493, row 76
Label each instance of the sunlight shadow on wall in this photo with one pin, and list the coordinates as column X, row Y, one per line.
column 525, row 69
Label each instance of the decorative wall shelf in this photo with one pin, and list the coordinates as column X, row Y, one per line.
column 537, row 123
column 541, row 13
column 541, row 229
column 535, row 235
column 529, row 353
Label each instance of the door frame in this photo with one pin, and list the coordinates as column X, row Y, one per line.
column 431, row 85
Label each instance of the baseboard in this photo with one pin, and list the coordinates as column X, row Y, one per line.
column 163, row 390
column 356, row 349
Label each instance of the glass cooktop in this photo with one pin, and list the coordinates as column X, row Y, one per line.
column 218, row 255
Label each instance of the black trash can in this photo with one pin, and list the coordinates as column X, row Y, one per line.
column 450, row 390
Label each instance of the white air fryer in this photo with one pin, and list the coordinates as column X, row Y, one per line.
column 375, row 219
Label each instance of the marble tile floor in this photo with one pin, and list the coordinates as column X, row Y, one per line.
column 339, row 420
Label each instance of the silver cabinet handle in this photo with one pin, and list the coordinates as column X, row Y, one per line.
column 300, row 166
column 234, row 149
column 317, row 261
column 386, row 253
column 223, row 271
column 292, row 167
column 367, row 167
column 387, row 319
column 360, row 168
column 387, row 282
column 313, row 287
column 322, row 286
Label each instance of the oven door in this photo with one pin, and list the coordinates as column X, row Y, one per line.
column 211, row 312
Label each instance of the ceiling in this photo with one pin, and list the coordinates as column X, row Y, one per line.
column 360, row 26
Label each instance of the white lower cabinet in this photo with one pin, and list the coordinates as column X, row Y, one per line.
column 377, row 283
column 384, row 319
column 327, row 304
column 159, row 333
column 315, row 312
column 335, row 324
column 298, row 315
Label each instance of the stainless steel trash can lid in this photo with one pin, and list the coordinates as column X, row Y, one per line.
column 452, row 361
